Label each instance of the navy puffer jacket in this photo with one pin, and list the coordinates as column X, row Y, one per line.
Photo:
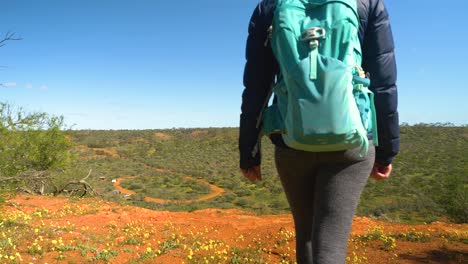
column 378, row 59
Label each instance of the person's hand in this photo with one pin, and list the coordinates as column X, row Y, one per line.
column 253, row 174
column 381, row 172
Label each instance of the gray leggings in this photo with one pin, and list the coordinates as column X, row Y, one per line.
column 323, row 191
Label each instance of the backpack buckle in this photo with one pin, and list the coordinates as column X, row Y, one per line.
column 313, row 33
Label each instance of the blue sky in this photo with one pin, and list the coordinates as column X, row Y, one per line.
column 115, row 64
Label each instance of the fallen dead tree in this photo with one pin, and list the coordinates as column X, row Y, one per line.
column 41, row 183
column 78, row 188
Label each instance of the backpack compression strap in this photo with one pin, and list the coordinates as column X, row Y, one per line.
column 313, row 35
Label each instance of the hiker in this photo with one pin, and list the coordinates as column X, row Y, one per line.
column 322, row 187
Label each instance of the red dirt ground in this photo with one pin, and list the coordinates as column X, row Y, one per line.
column 246, row 237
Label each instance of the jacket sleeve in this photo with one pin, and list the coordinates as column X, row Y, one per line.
column 259, row 75
column 379, row 61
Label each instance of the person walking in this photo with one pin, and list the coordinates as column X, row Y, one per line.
column 322, row 187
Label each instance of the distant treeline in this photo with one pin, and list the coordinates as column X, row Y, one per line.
column 437, row 124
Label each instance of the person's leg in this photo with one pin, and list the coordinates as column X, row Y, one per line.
column 297, row 173
column 341, row 178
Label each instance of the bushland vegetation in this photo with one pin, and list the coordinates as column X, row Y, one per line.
column 429, row 183
column 33, row 146
column 39, row 155
column 168, row 188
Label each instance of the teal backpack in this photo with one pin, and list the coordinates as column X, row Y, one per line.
column 322, row 100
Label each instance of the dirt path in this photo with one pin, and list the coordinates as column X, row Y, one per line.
column 215, row 190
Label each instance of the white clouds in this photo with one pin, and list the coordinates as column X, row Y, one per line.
column 27, row 86
column 9, row 84
column 44, row 88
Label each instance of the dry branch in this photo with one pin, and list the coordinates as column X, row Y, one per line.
column 9, row 36
column 78, row 187
column 34, row 175
column 37, row 182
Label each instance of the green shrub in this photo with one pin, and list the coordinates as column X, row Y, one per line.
column 30, row 142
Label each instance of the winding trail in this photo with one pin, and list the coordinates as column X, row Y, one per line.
column 215, row 190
